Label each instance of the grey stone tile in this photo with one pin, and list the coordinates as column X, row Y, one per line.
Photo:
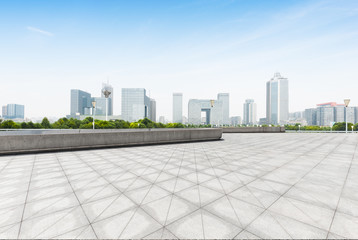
column 178, row 191
column 54, row 224
column 111, row 228
column 9, row 231
column 140, row 226
column 345, row 225
column 190, row 226
column 304, row 212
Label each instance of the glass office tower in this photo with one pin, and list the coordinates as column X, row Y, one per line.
column 13, row 111
column 250, row 112
column 80, row 102
column 277, row 100
column 224, row 98
column 177, row 107
column 135, row 104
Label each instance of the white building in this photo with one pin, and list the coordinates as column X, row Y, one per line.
column 225, row 99
column 209, row 110
column 277, row 100
column 250, row 117
column 177, row 107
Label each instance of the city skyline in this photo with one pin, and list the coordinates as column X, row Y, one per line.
column 219, row 46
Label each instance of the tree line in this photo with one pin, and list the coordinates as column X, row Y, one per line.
column 87, row 123
column 339, row 126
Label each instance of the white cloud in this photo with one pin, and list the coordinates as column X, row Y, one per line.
column 33, row 29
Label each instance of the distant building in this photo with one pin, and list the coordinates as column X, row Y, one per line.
column 4, row 111
column 162, row 119
column 351, row 115
column 262, row 121
column 339, row 113
column 80, row 103
column 108, row 87
column 135, row 104
column 225, row 99
column 296, row 115
column 277, row 100
column 214, row 112
column 177, row 107
column 355, row 115
column 311, row 116
column 249, row 112
column 100, row 109
column 153, row 110
column 13, row 111
column 325, row 115
column 236, row 120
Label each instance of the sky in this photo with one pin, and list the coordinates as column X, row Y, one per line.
column 199, row 47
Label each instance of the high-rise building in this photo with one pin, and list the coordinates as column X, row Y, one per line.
column 355, row 115
column 236, row 120
column 250, row 112
column 135, row 104
column 80, row 102
column 225, row 99
column 162, row 119
column 311, row 116
column 108, row 87
column 4, row 111
column 325, row 115
column 153, row 110
column 277, row 100
column 351, row 115
column 13, row 111
column 339, row 113
column 177, row 107
column 209, row 110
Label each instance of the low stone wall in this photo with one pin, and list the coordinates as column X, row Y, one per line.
column 254, row 130
column 13, row 143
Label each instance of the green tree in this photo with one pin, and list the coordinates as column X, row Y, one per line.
column 9, row 124
column 341, row 126
column 45, row 123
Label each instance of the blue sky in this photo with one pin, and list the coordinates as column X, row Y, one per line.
column 199, row 48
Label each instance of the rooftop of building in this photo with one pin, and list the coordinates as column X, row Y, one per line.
column 329, row 104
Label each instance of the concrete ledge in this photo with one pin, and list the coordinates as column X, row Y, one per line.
column 90, row 139
column 254, row 130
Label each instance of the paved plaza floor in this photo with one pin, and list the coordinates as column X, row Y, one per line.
column 290, row 185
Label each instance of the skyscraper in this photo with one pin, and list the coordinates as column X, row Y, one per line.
column 277, row 100
column 153, row 110
column 224, row 98
column 80, row 102
column 108, row 87
column 250, row 112
column 13, row 111
column 135, row 104
column 4, row 111
column 311, row 116
column 325, row 115
column 177, row 107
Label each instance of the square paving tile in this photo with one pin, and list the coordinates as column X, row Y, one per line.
column 292, row 185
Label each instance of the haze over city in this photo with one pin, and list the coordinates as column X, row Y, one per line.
column 199, row 48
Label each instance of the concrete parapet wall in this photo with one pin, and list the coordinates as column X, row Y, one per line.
column 27, row 143
column 254, row 130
